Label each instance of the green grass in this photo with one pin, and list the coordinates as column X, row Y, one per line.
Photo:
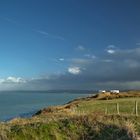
column 41, row 131
column 126, row 106
column 84, row 119
column 87, row 127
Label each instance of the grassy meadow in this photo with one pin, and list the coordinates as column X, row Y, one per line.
column 126, row 106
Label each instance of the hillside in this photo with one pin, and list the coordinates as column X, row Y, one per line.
column 91, row 118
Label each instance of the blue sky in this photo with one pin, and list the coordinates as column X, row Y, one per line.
column 89, row 44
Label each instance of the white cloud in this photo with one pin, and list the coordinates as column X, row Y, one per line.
column 11, row 79
column 74, row 70
column 61, row 59
column 111, row 51
column 15, row 80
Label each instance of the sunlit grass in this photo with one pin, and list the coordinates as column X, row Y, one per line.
column 126, row 106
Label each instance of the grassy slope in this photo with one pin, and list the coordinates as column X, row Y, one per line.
column 79, row 119
column 126, row 106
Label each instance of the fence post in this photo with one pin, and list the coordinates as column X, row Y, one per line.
column 136, row 108
column 106, row 111
column 117, row 108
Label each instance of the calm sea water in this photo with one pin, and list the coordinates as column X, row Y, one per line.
column 13, row 104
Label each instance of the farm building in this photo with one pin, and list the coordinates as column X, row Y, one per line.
column 102, row 91
column 114, row 91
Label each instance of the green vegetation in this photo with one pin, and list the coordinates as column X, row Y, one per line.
column 126, row 106
column 75, row 128
column 91, row 118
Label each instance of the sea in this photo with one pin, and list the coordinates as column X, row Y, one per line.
column 26, row 103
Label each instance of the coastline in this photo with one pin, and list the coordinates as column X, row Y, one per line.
column 93, row 95
column 82, row 118
column 22, row 103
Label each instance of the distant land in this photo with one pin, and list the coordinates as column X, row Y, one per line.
column 54, row 91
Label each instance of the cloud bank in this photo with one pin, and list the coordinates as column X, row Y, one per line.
column 119, row 70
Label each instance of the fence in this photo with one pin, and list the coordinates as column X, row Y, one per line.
column 117, row 109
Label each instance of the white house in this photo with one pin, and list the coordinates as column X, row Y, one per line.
column 114, row 91
column 102, row 91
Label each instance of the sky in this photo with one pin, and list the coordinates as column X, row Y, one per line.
column 69, row 44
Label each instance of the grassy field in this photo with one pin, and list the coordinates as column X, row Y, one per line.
column 126, row 106
column 91, row 118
